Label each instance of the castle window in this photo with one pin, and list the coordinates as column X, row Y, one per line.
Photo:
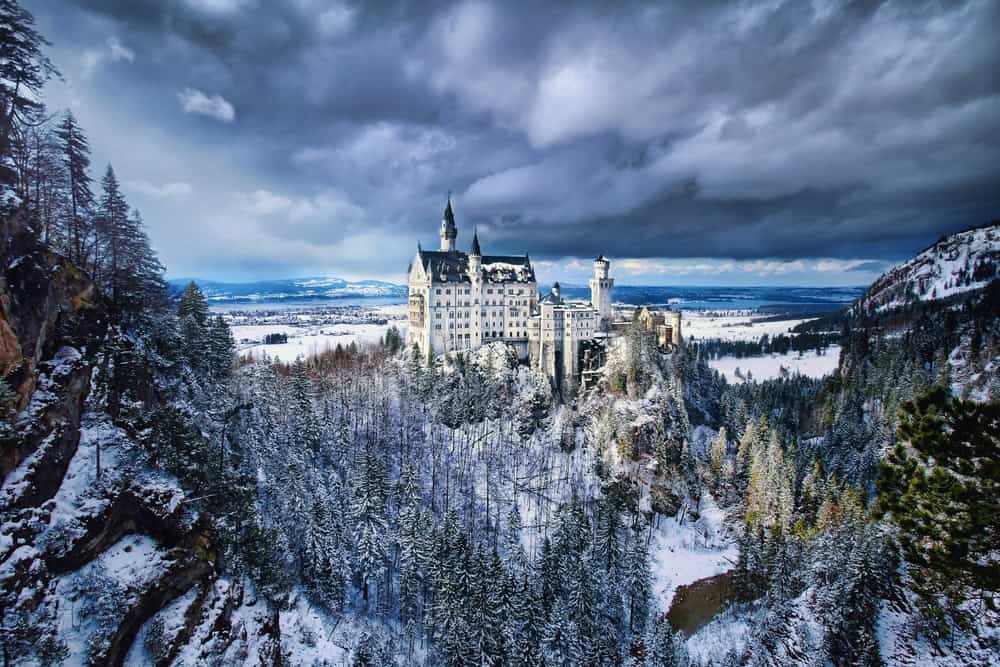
column 447, row 291
column 438, row 290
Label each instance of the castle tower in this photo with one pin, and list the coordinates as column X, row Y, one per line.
column 475, row 259
column 600, row 289
column 675, row 327
column 448, row 230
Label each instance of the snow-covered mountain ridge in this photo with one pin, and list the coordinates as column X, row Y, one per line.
column 956, row 264
column 293, row 289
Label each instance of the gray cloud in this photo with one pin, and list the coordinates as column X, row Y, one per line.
column 790, row 130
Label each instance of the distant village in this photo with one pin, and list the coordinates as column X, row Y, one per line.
column 461, row 301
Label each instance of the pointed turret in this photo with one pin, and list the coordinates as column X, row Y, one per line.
column 475, row 260
column 448, row 230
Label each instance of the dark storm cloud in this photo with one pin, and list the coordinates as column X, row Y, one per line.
column 785, row 130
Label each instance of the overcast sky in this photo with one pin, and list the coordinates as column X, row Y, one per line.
column 693, row 143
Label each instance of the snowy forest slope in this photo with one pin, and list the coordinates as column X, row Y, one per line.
column 955, row 264
column 93, row 542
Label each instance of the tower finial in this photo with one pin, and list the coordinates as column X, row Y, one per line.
column 475, row 243
column 448, row 230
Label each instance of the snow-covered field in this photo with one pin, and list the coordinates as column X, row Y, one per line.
column 682, row 553
column 734, row 325
column 769, row 367
column 313, row 332
column 309, row 342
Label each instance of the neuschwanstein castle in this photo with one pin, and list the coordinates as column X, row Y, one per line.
column 460, row 301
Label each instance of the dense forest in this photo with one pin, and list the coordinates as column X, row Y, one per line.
column 166, row 502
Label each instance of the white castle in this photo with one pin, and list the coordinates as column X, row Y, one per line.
column 460, row 301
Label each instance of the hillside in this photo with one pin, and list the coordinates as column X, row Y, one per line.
column 160, row 507
column 96, row 540
column 956, row 264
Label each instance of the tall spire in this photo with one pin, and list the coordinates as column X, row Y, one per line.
column 475, row 244
column 449, row 215
column 448, row 230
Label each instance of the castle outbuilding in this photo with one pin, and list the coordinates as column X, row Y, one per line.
column 665, row 325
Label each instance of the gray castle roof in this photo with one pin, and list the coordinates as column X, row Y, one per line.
column 453, row 267
column 551, row 298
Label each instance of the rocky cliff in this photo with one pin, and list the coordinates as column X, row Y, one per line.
column 101, row 560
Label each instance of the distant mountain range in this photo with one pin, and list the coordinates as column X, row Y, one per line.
column 297, row 289
column 955, row 264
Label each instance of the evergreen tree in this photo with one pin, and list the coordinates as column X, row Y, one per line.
column 941, row 486
column 222, row 349
column 561, row 640
column 76, row 157
column 525, row 637
column 112, row 229
column 717, row 455
column 193, row 305
column 665, row 648
column 24, row 70
column 192, row 311
column 370, row 523
column 638, row 578
column 516, row 559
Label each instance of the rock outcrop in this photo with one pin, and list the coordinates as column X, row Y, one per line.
column 91, row 550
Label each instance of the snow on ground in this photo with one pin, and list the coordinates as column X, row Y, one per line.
column 729, row 630
column 308, row 342
column 959, row 263
column 769, row 366
column 309, row 636
column 901, row 644
column 96, row 596
column 734, row 325
column 393, row 310
column 684, row 552
column 173, row 621
column 311, row 329
column 256, row 332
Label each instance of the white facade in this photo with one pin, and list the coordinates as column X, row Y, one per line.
column 557, row 329
column 460, row 301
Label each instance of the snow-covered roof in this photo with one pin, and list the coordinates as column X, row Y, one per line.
column 507, row 269
column 550, row 298
column 454, row 267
